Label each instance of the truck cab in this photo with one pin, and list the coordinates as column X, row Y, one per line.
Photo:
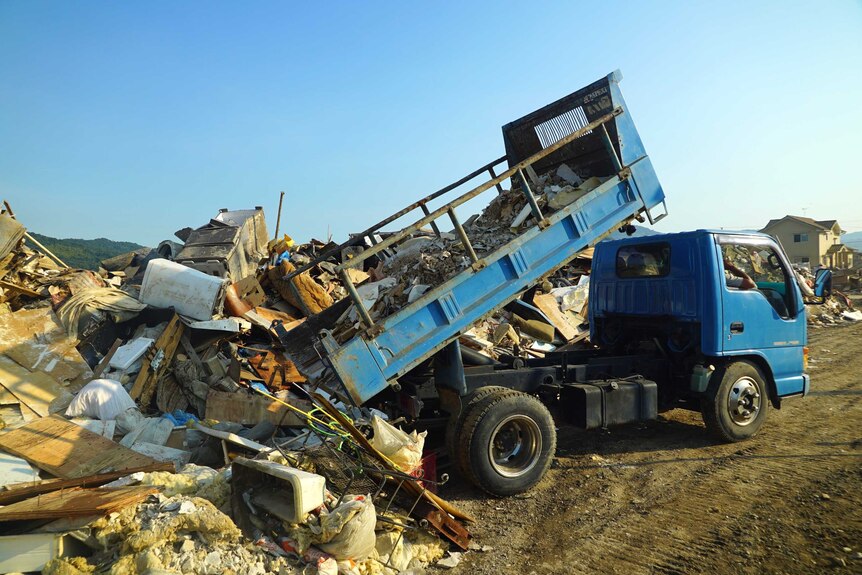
column 725, row 310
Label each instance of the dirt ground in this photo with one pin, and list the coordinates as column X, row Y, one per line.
column 664, row 497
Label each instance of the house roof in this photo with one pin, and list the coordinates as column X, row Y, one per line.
column 820, row 225
column 835, row 248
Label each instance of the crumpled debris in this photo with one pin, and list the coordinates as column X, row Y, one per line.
column 430, row 261
column 192, row 481
column 412, row 550
column 179, row 534
column 451, row 561
column 68, row 566
column 120, row 305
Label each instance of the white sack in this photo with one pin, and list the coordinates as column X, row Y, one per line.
column 100, row 399
column 348, row 530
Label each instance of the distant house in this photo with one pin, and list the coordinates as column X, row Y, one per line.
column 811, row 242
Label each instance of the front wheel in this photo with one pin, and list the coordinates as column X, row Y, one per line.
column 507, row 443
column 736, row 402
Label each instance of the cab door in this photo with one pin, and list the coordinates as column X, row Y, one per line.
column 767, row 320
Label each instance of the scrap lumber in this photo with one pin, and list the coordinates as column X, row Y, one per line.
column 170, row 396
column 301, row 291
column 45, row 250
column 66, row 450
column 75, row 502
column 157, row 362
column 276, row 370
column 16, row 494
column 23, row 290
column 560, row 320
column 97, row 373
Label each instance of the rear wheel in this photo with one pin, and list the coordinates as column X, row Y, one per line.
column 736, row 403
column 507, row 443
column 456, row 422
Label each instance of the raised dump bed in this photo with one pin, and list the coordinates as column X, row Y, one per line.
column 592, row 132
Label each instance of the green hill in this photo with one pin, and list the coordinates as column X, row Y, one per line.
column 85, row 254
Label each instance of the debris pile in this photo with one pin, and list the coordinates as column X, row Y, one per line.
column 426, row 260
column 835, row 309
column 150, row 420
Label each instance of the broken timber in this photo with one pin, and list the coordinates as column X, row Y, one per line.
column 156, row 363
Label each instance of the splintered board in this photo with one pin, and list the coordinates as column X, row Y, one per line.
column 67, row 450
column 75, row 502
column 565, row 323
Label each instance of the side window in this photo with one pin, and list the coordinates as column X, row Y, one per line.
column 643, row 260
column 751, row 266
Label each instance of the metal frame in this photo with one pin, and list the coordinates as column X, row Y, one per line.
column 389, row 347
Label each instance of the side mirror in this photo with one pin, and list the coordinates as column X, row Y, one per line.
column 823, row 283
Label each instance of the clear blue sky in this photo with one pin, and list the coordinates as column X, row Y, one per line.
column 130, row 120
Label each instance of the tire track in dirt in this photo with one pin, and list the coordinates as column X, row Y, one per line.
column 664, row 499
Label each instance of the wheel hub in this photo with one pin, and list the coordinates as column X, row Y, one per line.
column 515, row 446
column 744, row 401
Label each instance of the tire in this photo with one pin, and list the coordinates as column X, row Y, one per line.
column 456, row 422
column 736, row 402
column 507, row 443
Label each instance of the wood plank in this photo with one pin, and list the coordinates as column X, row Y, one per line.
column 97, row 373
column 28, row 490
column 157, row 362
column 67, row 450
column 75, row 502
column 20, row 289
column 549, row 306
column 38, row 391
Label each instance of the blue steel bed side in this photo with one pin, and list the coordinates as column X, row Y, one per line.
column 366, row 365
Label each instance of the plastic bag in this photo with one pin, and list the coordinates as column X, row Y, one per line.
column 149, row 430
column 100, row 399
column 403, row 449
column 348, row 530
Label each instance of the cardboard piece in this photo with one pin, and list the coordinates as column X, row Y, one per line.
column 38, row 391
column 36, row 340
column 240, row 407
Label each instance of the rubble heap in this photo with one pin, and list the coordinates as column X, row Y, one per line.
column 135, row 402
column 835, row 309
column 424, row 262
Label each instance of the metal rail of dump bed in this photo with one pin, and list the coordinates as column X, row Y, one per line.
column 385, row 350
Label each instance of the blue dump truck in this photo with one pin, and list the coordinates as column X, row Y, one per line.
column 711, row 321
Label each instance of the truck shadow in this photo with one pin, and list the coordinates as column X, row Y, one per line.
column 660, row 435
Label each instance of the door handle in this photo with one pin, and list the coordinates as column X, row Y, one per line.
column 737, row 327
